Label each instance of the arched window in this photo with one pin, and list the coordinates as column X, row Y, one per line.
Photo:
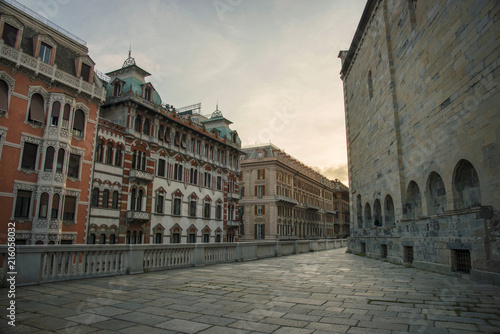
column 389, row 211
column 134, row 237
column 109, row 153
column 145, row 129
column 60, row 161
column 114, row 203
column 4, row 96
column 133, row 194
column 167, row 135
column 359, row 211
column 138, row 123
column 377, row 213
column 95, row 197
column 49, row 159
column 66, row 115
column 218, row 211
column 55, row 207
column 161, row 133
column 368, row 215
column 99, row 152
column 413, row 207
column 177, row 139
column 36, row 110
column 44, row 205
column 139, row 200
column 56, row 111
column 436, row 195
column 139, row 237
column 117, row 89
column 118, row 156
column 105, row 198
column 466, row 188
column 134, row 159
column 102, row 239
column 79, row 123
column 183, row 140
column 127, row 238
column 112, row 239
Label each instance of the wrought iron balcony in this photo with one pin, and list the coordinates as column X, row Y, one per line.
column 140, row 216
column 141, row 175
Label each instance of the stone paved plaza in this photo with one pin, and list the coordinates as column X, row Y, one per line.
column 322, row 292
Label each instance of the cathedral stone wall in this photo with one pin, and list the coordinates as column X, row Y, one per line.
column 423, row 125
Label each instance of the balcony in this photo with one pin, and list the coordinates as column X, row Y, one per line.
column 232, row 223
column 141, row 175
column 31, row 63
column 233, row 196
column 312, row 207
column 140, row 216
column 286, row 200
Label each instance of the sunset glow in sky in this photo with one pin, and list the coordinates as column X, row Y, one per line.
column 271, row 65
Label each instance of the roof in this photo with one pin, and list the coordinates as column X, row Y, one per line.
column 356, row 41
column 135, row 85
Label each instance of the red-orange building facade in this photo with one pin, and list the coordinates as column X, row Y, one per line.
column 49, row 101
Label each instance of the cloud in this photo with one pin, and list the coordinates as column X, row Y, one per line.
column 335, row 172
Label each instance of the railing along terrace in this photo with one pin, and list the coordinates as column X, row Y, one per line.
column 40, row 264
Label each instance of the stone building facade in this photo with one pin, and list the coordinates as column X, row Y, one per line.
column 161, row 176
column 423, row 132
column 283, row 199
column 49, row 100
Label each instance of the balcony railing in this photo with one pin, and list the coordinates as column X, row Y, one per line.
column 141, row 216
column 141, row 175
column 312, row 207
column 233, row 196
column 40, row 264
column 286, row 200
column 51, row 71
column 233, row 223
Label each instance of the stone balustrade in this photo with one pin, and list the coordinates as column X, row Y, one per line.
column 49, row 263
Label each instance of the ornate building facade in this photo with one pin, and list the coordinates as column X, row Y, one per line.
column 283, row 199
column 421, row 103
column 49, row 99
column 161, row 176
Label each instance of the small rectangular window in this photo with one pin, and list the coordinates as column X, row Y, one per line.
column 85, row 73
column 23, row 201
column 45, row 53
column 161, row 167
column 177, row 206
column 159, row 204
column 9, row 35
column 74, row 165
column 192, row 208
column 29, row 156
column 206, row 211
column 219, row 183
column 69, row 208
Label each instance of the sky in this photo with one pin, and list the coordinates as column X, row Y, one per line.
column 271, row 65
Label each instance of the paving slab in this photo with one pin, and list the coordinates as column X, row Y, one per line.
column 321, row 292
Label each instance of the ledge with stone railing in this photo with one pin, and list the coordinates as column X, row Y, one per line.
column 40, row 264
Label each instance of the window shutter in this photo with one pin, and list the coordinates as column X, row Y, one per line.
column 263, row 209
column 263, row 229
column 256, row 193
column 69, row 204
column 263, row 174
column 29, row 156
column 56, row 109
column 79, row 122
column 255, row 207
column 263, row 190
column 4, row 96
column 36, row 108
